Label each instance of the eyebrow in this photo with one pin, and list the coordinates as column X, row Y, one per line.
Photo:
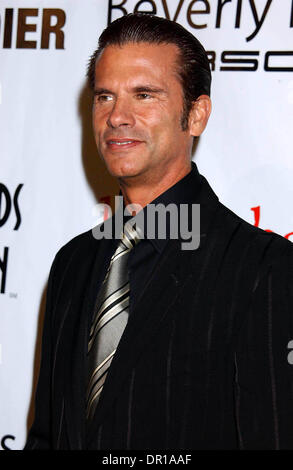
column 136, row 89
column 149, row 89
column 102, row 91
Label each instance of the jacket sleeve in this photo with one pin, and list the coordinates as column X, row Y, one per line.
column 264, row 362
column 39, row 436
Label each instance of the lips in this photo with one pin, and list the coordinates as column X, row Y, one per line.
column 121, row 144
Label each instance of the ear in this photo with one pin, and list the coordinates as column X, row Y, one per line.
column 199, row 115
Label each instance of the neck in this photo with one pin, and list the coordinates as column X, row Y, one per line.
column 144, row 192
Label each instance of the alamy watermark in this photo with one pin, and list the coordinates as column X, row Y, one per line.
column 172, row 221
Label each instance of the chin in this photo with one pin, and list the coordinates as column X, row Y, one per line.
column 123, row 168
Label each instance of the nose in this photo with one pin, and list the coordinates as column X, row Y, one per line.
column 121, row 114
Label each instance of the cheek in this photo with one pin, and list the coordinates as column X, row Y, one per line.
column 95, row 122
column 159, row 120
column 98, row 127
column 167, row 128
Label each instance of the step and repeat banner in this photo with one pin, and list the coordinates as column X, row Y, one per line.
column 51, row 176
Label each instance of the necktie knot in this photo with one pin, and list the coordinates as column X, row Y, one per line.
column 131, row 235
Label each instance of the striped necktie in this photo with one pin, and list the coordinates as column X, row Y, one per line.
column 109, row 319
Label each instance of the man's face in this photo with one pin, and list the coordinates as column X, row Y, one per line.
column 137, row 111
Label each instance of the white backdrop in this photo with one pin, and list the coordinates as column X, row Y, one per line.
column 51, row 176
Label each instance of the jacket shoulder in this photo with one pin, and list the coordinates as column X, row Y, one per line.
column 272, row 241
column 82, row 242
column 75, row 253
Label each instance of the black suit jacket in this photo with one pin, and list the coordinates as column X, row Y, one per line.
column 203, row 362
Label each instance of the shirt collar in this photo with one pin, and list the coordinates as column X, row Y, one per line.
column 185, row 191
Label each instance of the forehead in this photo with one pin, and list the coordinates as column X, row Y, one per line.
column 156, row 60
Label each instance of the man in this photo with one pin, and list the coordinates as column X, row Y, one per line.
column 201, row 360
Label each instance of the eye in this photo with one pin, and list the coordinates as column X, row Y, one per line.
column 103, row 98
column 143, row 96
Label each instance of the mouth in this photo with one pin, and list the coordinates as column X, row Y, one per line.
column 121, row 144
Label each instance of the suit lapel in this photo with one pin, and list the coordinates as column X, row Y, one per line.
column 141, row 327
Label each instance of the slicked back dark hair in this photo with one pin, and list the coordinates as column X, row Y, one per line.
column 193, row 67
